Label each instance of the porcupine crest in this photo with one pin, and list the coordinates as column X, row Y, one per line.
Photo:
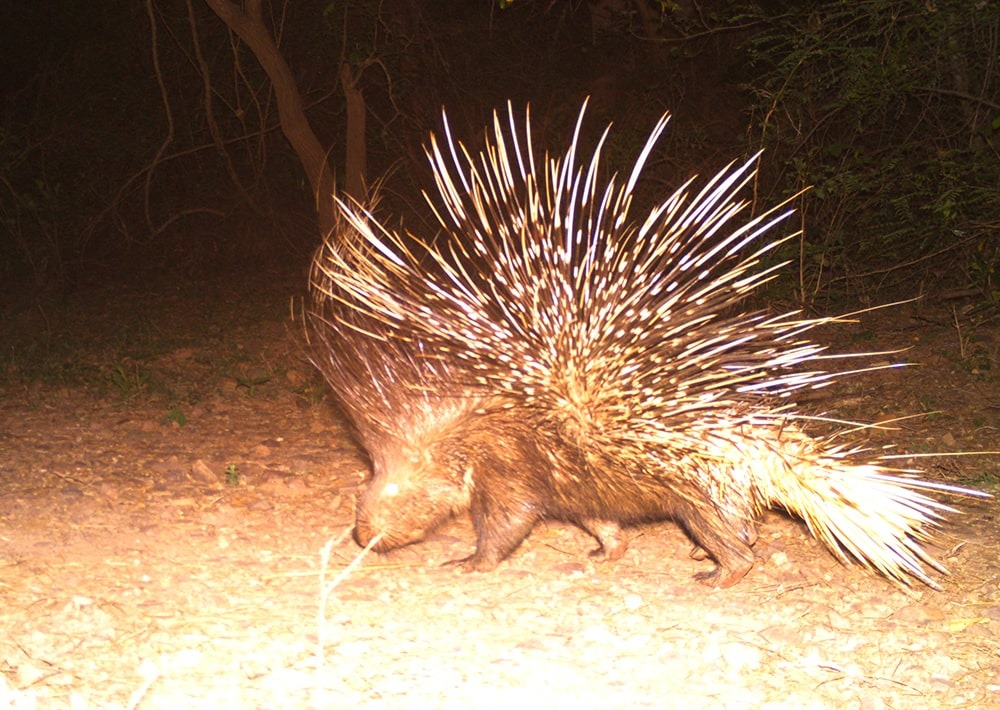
column 611, row 334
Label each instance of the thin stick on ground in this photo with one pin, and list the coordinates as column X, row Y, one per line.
column 324, row 594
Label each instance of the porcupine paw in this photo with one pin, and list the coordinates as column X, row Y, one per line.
column 726, row 544
column 609, row 551
column 474, row 563
column 496, row 538
column 612, row 543
column 723, row 577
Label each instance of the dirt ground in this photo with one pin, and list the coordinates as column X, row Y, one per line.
column 175, row 505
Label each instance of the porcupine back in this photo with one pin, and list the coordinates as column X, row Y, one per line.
column 613, row 333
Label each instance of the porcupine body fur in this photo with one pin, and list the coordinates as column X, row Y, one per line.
column 548, row 355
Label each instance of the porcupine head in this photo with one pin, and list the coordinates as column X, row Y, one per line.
column 419, row 479
column 444, row 462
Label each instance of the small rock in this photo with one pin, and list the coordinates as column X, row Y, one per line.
column 202, row 473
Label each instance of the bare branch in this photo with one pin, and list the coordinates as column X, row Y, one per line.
column 251, row 29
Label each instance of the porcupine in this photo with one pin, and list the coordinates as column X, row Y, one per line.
column 550, row 356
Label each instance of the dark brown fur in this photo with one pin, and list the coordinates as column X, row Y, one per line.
column 488, row 464
column 509, row 472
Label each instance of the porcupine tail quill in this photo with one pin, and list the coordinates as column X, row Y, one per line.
column 859, row 509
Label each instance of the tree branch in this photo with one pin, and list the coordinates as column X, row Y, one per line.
column 250, row 27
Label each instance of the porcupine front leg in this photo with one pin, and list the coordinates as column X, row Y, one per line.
column 500, row 530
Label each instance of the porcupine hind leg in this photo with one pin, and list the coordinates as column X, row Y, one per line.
column 747, row 534
column 717, row 538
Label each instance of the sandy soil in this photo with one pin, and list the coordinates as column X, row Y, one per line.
column 175, row 509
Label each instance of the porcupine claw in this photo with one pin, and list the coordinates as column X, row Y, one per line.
column 720, row 579
column 726, row 573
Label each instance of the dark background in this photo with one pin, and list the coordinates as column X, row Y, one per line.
column 889, row 109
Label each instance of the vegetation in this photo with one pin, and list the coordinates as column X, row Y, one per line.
column 155, row 134
column 888, row 108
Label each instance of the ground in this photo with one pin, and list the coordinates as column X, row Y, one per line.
column 176, row 499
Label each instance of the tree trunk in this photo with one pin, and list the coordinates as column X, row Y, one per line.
column 250, row 27
column 356, row 162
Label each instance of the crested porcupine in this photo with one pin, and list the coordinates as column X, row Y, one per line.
column 548, row 355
